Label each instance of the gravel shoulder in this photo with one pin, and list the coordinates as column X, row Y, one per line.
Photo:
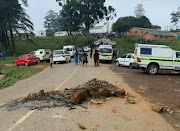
column 159, row 89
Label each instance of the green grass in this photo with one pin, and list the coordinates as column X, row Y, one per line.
column 53, row 43
column 14, row 74
column 127, row 45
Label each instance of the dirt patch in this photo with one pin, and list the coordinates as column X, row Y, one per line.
column 9, row 65
column 39, row 66
column 162, row 88
column 96, row 104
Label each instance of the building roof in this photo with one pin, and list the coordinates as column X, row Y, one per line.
column 161, row 33
column 96, row 28
column 145, row 29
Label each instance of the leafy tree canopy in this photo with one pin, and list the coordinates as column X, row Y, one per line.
column 124, row 24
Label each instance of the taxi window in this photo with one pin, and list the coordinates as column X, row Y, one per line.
column 177, row 54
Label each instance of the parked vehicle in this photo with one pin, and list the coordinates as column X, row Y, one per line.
column 152, row 58
column 61, row 56
column 86, row 49
column 105, row 53
column 26, row 60
column 113, row 43
column 32, row 52
column 127, row 60
column 79, row 50
column 43, row 54
column 71, row 49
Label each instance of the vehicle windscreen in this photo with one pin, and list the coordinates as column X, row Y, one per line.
column 105, row 50
column 57, row 52
column 31, row 56
column 69, row 49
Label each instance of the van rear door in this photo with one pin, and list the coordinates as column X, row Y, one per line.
column 176, row 62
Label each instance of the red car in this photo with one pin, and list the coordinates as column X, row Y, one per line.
column 26, row 60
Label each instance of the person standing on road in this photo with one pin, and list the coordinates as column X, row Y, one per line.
column 76, row 57
column 91, row 52
column 96, row 58
column 85, row 59
column 51, row 60
column 80, row 57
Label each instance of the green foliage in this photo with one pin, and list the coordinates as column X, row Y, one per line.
column 51, row 23
column 124, row 24
column 14, row 74
column 53, row 43
column 70, row 18
column 13, row 18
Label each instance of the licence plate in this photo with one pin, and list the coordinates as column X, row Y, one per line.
column 34, row 61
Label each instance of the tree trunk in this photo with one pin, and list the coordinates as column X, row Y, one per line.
column 12, row 41
column 87, row 37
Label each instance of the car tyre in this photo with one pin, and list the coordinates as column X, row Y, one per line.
column 15, row 64
column 26, row 64
column 152, row 69
column 131, row 66
column 117, row 63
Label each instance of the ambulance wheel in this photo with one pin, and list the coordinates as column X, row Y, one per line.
column 152, row 69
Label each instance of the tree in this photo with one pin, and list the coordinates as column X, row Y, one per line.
column 12, row 19
column 70, row 17
column 51, row 23
column 92, row 12
column 89, row 12
column 175, row 17
column 139, row 11
column 124, row 24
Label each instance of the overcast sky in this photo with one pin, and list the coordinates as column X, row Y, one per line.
column 158, row 11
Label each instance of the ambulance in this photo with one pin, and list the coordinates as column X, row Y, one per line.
column 152, row 58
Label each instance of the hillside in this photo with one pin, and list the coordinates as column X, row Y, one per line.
column 52, row 43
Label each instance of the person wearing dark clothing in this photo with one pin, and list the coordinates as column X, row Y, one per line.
column 91, row 52
column 85, row 59
column 96, row 58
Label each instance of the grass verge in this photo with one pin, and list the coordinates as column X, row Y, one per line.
column 14, row 74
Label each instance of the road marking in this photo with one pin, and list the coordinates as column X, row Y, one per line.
column 67, row 79
column 30, row 112
column 21, row 120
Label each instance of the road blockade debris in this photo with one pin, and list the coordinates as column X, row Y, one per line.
column 93, row 89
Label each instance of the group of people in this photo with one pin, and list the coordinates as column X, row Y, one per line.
column 82, row 57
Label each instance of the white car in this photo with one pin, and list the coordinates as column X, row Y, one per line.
column 126, row 60
column 71, row 49
column 113, row 43
column 86, row 49
column 61, row 56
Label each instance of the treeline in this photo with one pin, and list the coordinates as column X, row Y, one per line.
column 13, row 19
column 124, row 24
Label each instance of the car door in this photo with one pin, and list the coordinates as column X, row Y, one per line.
column 176, row 60
column 123, row 59
column 18, row 60
column 128, row 59
column 23, row 59
column 67, row 55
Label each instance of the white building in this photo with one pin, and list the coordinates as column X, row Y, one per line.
column 100, row 29
column 61, row 33
column 40, row 33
